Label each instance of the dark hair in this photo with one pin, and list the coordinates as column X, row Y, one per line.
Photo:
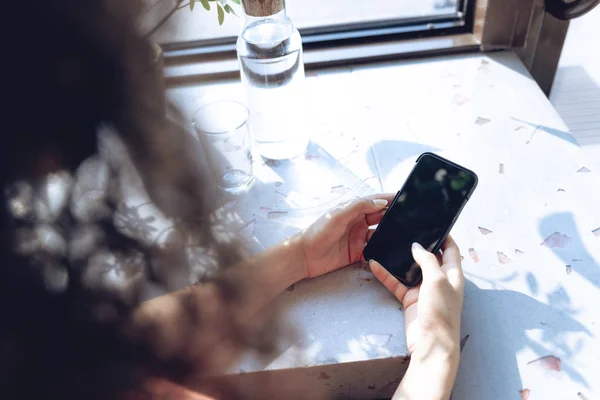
column 71, row 68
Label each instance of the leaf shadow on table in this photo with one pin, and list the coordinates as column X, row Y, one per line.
column 287, row 195
column 570, row 250
column 497, row 321
column 385, row 155
column 305, row 309
column 539, row 129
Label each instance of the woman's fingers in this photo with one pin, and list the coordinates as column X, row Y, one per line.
column 411, row 297
column 428, row 262
column 451, row 251
column 389, row 281
column 370, row 234
column 389, row 197
column 349, row 212
column 375, row 218
column 452, row 266
column 440, row 257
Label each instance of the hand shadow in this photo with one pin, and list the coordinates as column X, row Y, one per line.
column 496, row 321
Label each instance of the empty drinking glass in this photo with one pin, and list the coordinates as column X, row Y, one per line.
column 225, row 125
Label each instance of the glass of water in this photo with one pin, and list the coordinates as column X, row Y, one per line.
column 225, row 126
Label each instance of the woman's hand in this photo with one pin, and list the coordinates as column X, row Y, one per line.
column 432, row 310
column 432, row 313
column 339, row 237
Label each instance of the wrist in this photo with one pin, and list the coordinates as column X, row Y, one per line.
column 430, row 375
column 440, row 347
column 438, row 359
column 294, row 251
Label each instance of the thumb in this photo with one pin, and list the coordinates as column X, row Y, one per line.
column 427, row 261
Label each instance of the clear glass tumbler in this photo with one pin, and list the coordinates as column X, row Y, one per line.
column 225, row 126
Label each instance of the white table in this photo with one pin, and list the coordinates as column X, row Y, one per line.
column 531, row 256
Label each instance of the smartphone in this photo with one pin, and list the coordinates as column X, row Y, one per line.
column 423, row 211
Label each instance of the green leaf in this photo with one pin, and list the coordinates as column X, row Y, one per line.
column 238, row 2
column 192, row 4
column 220, row 14
column 230, row 10
column 205, row 4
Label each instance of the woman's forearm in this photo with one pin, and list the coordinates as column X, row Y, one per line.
column 261, row 279
column 430, row 376
column 231, row 303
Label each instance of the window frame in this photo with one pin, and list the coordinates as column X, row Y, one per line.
column 460, row 21
column 328, row 46
column 477, row 26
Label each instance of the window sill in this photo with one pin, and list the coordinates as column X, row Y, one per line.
column 198, row 68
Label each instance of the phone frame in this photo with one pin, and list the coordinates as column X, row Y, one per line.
column 443, row 238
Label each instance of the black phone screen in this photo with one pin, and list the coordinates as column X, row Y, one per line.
column 423, row 211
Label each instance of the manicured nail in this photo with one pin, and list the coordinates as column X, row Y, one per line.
column 417, row 246
column 380, row 202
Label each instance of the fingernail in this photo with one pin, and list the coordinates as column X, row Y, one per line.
column 372, row 263
column 417, row 246
column 380, row 202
